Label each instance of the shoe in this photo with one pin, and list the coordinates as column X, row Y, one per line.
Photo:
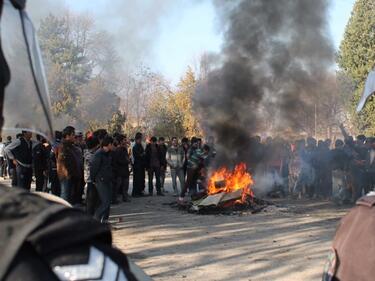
column 175, row 194
column 126, row 199
column 160, row 194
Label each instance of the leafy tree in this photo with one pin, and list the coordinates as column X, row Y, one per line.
column 170, row 113
column 116, row 124
column 87, row 78
column 94, row 125
column 164, row 115
column 357, row 57
column 184, row 98
column 82, row 67
column 67, row 62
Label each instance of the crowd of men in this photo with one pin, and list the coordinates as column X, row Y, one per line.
column 94, row 170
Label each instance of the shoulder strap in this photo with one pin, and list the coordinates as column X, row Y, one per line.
column 21, row 213
column 27, row 217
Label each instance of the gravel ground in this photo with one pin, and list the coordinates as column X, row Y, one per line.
column 289, row 242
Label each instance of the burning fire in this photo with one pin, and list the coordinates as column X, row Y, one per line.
column 224, row 180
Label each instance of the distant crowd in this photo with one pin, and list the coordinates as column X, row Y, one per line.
column 342, row 171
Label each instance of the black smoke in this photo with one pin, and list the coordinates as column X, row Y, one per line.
column 276, row 54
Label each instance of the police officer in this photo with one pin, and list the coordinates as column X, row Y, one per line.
column 41, row 239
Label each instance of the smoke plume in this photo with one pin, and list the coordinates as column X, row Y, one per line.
column 275, row 56
column 134, row 25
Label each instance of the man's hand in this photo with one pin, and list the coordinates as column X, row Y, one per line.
column 360, row 162
column 15, row 163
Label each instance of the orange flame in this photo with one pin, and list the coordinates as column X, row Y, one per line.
column 224, row 180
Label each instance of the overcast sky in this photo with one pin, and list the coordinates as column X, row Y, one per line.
column 168, row 35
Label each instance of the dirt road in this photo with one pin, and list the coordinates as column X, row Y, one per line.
column 287, row 244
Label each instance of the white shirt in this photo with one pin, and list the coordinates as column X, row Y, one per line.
column 372, row 155
column 2, row 146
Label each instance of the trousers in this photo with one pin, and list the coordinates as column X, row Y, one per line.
column 24, row 177
column 105, row 193
column 178, row 173
column 151, row 172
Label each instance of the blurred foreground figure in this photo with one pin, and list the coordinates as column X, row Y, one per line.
column 83, row 252
column 42, row 239
column 352, row 255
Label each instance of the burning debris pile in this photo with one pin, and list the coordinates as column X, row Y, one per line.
column 228, row 192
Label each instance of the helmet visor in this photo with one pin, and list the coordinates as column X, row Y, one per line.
column 26, row 100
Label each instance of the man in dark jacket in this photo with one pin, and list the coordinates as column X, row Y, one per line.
column 154, row 162
column 186, row 147
column 79, row 149
column 163, row 148
column 52, row 165
column 79, row 184
column 20, row 152
column 101, row 175
column 92, row 198
column 68, row 166
column 138, row 167
column 193, row 167
column 323, row 170
column 121, row 163
column 40, row 159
